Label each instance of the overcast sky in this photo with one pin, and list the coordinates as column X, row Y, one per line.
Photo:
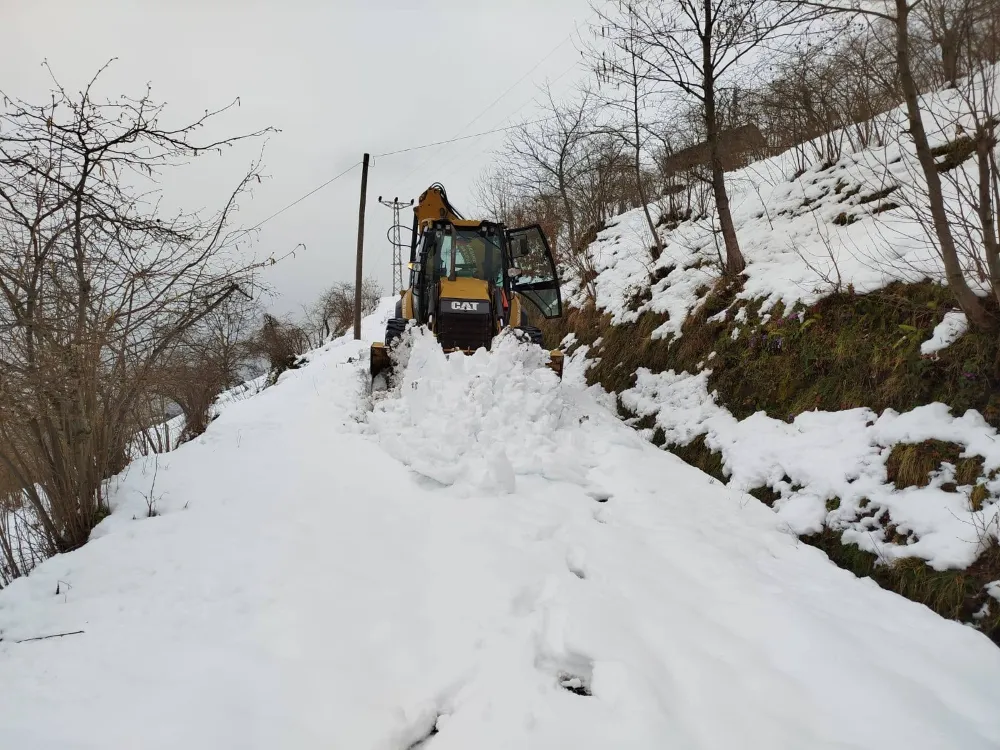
column 337, row 77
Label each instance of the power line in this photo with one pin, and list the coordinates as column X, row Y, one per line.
column 460, row 138
column 315, row 190
column 510, row 88
column 456, row 138
column 299, row 200
column 394, row 153
column 519, row 80
column 455, row 157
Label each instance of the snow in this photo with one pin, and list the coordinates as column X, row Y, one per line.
column 947, row 332
column 855, row 223
column 838, row 457
column 993, row 589
column 331, row 567
column 851, row 225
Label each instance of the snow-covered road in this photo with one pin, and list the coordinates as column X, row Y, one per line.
column 485, row 559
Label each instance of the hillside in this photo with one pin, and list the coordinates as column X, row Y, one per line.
column 834, row 380
column 484, row 557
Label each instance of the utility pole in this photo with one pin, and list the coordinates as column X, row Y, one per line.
column 395, row 240
column 361, row 248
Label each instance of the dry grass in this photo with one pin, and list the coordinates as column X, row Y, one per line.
column 910, row 464
column 978, row 497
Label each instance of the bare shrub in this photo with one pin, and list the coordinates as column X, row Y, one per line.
column 333, row 313
column 825, row 98
column 279, row 342
column 211, row 357
column 96, row 290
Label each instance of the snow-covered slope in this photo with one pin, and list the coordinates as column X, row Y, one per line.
column 829, row 468
column 860, row 224
column 483, row 558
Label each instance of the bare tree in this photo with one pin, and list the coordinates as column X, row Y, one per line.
column 209, row 358
column 496, row 193
column 224, row 336
column 949, row 26
column 979, row 187
column 96, row 288
column 333, row 313
column 550, row 155
column 899, row 14
column 602, row 190
column 692, row 47
column 622, row 67
column 280, row 341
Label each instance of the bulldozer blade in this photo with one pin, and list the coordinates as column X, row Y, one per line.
column 380, row 360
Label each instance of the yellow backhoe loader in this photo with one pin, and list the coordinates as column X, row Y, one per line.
column 470, row 279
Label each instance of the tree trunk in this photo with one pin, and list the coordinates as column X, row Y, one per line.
column 949, row 60
column 987, row 216
column 657, row 245
column 964, row 296
column 735, row 262
column 570, row 219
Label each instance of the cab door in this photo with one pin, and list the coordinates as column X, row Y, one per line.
column 536, row 278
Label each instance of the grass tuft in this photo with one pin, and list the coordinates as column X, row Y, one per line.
column 911, row 464
column 978, row 497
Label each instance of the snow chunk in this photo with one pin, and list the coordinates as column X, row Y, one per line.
column 946, row 333
column 993, row 589
column 477, row 448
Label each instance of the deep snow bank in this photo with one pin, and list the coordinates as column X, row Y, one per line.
column 484, row 558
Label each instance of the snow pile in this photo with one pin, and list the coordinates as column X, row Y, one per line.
column 829, row 467
column 946, row 333
column 449, row 423
column 303, row 587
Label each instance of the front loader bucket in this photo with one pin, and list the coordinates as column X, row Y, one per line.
column 556, row 362
column 380, row 360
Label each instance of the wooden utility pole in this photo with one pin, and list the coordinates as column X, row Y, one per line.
column 361, row 248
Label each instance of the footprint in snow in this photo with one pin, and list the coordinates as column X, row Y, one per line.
column 425, row 731
column 601, row 515
column 575, row 561
column 573, row 672
column 424, row 740
column 574, row 684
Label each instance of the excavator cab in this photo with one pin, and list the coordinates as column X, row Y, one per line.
column 469, row 279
